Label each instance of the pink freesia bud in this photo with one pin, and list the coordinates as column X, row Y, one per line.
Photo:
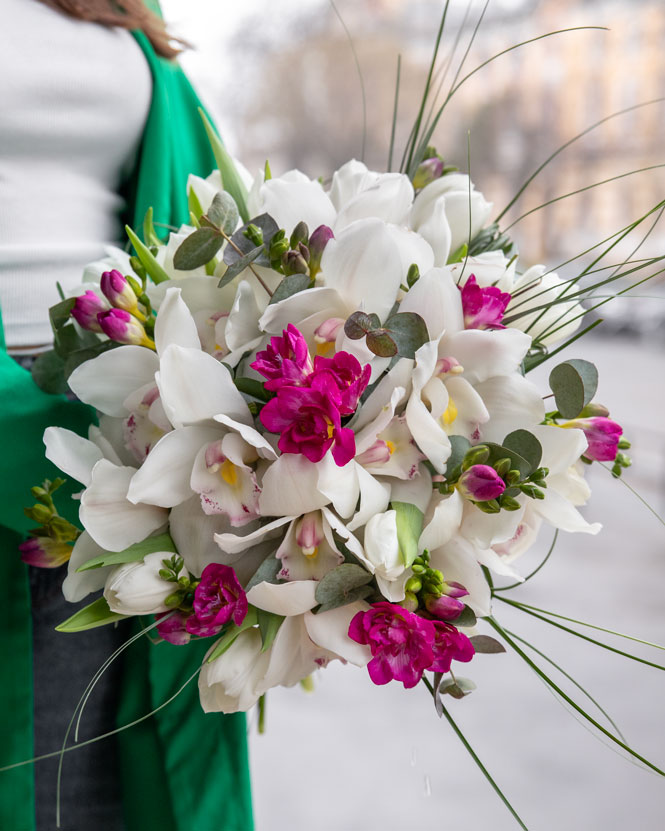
column 483, row 307
column 44, row 552
column 328, row 330
column 346, row 373
column 320, row 237
column 594, row 409
column 603, row 436
column 121, row 326
column 174, row 628
column 118, row 292
column 454, row 589
column 427, row 172
column 444, row 607
column 401, row 643
column 309, row 532
column 285, row 361
column 481, row 483
column 449, row 645
column 86, row 308
column 218, row 598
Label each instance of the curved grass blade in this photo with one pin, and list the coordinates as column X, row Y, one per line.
column 495, row 625
column 541, row 360
column 530, row 611
column 635, row 493
column 475, row 758
column 360, row 75
column 395, row 110
column 572, row 680
column 567, row 144
column 535, row 571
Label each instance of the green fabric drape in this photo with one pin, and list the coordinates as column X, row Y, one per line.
column 182, row 770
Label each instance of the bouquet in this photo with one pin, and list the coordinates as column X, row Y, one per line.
column 318, row 439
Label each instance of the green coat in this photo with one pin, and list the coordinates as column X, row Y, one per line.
column 182, row 770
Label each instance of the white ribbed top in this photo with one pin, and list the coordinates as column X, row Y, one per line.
column 74, row 99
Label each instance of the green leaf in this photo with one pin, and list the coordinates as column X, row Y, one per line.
column 518, row 462
column 48, row 372
column 409, row 332
column 574, row 384
column 289, row 286
column 239, row 265
column 240, row 244
column 232, row 182
column 152, row 267
column 197, row 249
column 486, row 645
column 61, row 313
column 149, row 233
column 68, row 339
column 253, row 388
column 223, row 212
column 96, row 614
column 467, row 618
column 266, row 572
column 459, row 447
column 409, row 528
column 195, row 208
column 359, row 324
column 458, row 687
column 269, row 624
column 343, row 585
column 133, row 554
column 381, row 343
column 526, row 445
column 251, row 619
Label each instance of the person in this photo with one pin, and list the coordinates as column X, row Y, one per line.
column 97, row 124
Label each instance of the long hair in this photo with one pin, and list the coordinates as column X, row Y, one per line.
column 129, row 14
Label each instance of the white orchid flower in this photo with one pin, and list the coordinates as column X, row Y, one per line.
column 137, row 588
column 382, row 555
column 308, row 550
column 229, row 683
column 535, row 289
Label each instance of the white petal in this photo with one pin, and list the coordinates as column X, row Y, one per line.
column 416, row 491
column 301, row 306
column 485, row 530
column 561, row 447
column 290, row 199
column 435, row 228
column 194, row 386
column 457, row 560
column 443, row 520
column 76, row 586
column 70, row 452
column 374, row 497
column 229, row 684
column 513, row 403
column 175, row 324
column 484, row 353
column 489, row 558
column 290, row 487
column 436, row 298
column 284, row 598
column 250, row 435
column 338, row 485
column 234, row 543
column 331, row 631
column 164, row 477
column 389, row 198
column 560, row 513
column 107, row 380
column 242, row 326
column 111, row 520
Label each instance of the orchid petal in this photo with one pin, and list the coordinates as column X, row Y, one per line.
column 78, row 585
column 330, row 630
column 175, row 324
column 436, row 298
column 286, row 599
column 70, row 452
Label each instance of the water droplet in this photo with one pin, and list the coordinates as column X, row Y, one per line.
column 413, row 757
column 428, row 786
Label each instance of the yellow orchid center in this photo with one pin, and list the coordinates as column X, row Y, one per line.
column 310, row 553
column 391, row 446
column 229, row 472
column 450, row 414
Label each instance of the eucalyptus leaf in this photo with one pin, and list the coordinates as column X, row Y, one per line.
column 48, row 372
column 359, row 324
column 518, row 462
column 526, row 445
column 438, row 706
column 148, row 261
column 69, row 338
column 457, row 687
column 239, row 265
column 60, row 314
column 133, row 554
column 94, row 615
column 266, row 572
column 289, row 286
column 231, row 180
column 269, row 624
column 409, row 332
column 486, row 645
column 380, row 343
column 197, row 249
column 409, row 522
column 459, row 447
column 232, row 633
column 241, row 245
column 574, row 384
column 467, row 618
column 341, row 586
column 223, row 212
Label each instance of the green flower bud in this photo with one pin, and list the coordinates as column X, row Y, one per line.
column 412, row 275
column 623, row 460
column 502, row 467
column 508, row 503
column 477, row 455
column 39, row 493
column 414, row 585
column 624, row 444
column 300, row 234
column 39, row 513
column 184, row 581
column 490, row 507
column 254, row 234
column 417, row 568
column 166, row 574
column 135, row 286
column 513, row 477
column 173, row 600
column 410, row 601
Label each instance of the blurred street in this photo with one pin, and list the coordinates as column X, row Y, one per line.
column 355, row 757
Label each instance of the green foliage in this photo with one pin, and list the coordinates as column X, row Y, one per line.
column 402, row 334
column 136, row 552
column 486, row 645
column 147, row 258
column 289, row 286
column 94, row 615
column 231, row 180
column 343, row 585
column 574, row 384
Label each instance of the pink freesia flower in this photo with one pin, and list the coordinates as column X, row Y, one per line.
column 309, row 422
column 121, row 326
column 173, row 628
column 483, row 307
column 285, row 361
column 603, row 436
column 444, row 607
column 44, row 552
column 449, row 645
column 350, row 378
column 86, row 308
column 117, row 290
column 218, row 598
column 401, row 643
column 481, row 483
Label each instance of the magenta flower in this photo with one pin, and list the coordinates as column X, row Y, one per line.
column 86, row 308
column 481, row 483
column 121, row 326
column 117, row 290
column 285, row 361
column 309, row 422
column 449, row 645
column 483, row 307
column 218, row 598
column 602, row 434
column 346, row 373
column 444, row 607
column 401, row 643
column 44, row 552
column 174, row 628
